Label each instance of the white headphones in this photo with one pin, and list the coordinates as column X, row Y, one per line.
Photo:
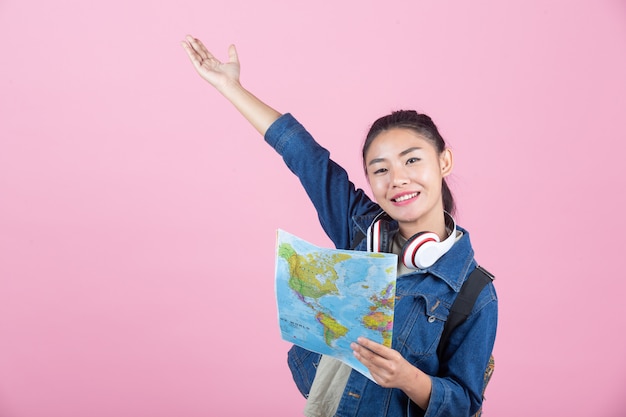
column 421, row 251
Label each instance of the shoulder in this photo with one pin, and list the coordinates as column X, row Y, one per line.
column 487, row 299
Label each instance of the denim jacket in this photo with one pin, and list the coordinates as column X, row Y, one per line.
column 423, row 297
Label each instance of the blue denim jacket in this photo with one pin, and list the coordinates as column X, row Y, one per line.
column 423, row 297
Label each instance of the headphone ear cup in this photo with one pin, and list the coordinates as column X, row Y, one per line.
column 379, row 239
column 420, row 251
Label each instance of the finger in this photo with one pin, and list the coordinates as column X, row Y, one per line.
column 198, row 47
column 194, row 57
column 376, row 364
column 205, row 53
column 191, row 53
column 364, row 355
column 190, row 49
column 232, row 54
column 377, row 348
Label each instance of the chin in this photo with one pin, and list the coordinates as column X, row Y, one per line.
column 406, row 219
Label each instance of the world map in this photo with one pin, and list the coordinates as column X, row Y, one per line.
column 327, row 298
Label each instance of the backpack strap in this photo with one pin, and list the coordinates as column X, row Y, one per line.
column 463, row 304
column 357, row 239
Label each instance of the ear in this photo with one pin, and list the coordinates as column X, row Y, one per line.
column 446, row 161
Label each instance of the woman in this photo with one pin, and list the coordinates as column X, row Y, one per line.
column 406, row 163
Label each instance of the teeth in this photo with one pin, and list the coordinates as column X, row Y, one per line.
column 406, row 197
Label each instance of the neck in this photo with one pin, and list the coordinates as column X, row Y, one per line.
column 435, row 223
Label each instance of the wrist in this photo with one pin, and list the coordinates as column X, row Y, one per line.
column 418, row 388
column 230, row 88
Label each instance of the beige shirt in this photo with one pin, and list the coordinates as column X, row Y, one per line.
column 327, row 388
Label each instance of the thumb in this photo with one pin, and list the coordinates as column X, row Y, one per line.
column 232, row 54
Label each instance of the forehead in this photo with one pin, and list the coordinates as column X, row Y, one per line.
column 392, row 142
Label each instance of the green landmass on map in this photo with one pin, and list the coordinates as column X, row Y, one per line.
column 333, row 330
column 304, row 278
column 305, row 270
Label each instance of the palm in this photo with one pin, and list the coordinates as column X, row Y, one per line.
column 210, row 68
column 216, row 72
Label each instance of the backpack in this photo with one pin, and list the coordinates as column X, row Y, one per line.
column 460, row 310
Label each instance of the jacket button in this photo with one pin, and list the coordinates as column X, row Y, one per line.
column 431, row 319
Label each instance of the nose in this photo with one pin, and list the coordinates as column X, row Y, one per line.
column 399, row 177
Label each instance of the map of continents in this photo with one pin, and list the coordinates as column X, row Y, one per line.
column 327, row 298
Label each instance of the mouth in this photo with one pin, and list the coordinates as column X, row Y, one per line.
column 404, row 197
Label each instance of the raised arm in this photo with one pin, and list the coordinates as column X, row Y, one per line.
column 225, row 78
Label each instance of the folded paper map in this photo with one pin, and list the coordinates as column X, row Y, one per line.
column 327, row 298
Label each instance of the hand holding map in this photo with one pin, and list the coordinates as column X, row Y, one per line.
column 327, row 298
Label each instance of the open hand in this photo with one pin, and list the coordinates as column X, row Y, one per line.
column 218, row 74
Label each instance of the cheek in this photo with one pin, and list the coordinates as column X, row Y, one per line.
column 377, row 186
column 431, row 175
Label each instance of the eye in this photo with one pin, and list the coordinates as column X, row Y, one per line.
column 412, row 160
column 380, row 171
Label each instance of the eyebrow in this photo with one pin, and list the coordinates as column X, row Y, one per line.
column 404, row 152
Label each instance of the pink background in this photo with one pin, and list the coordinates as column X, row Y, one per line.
column 138, row 210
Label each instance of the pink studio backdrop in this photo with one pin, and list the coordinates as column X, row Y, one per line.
column 138, row 210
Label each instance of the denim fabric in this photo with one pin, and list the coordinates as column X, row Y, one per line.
column 423, row 297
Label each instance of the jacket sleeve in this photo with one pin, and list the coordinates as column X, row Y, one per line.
column 458, row 388
column 303, row 366
column 325, row 182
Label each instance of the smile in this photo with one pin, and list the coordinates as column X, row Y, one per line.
column 405, row 197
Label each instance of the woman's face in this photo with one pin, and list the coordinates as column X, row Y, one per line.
column 405, row 172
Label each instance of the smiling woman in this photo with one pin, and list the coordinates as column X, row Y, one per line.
column 406, row 163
